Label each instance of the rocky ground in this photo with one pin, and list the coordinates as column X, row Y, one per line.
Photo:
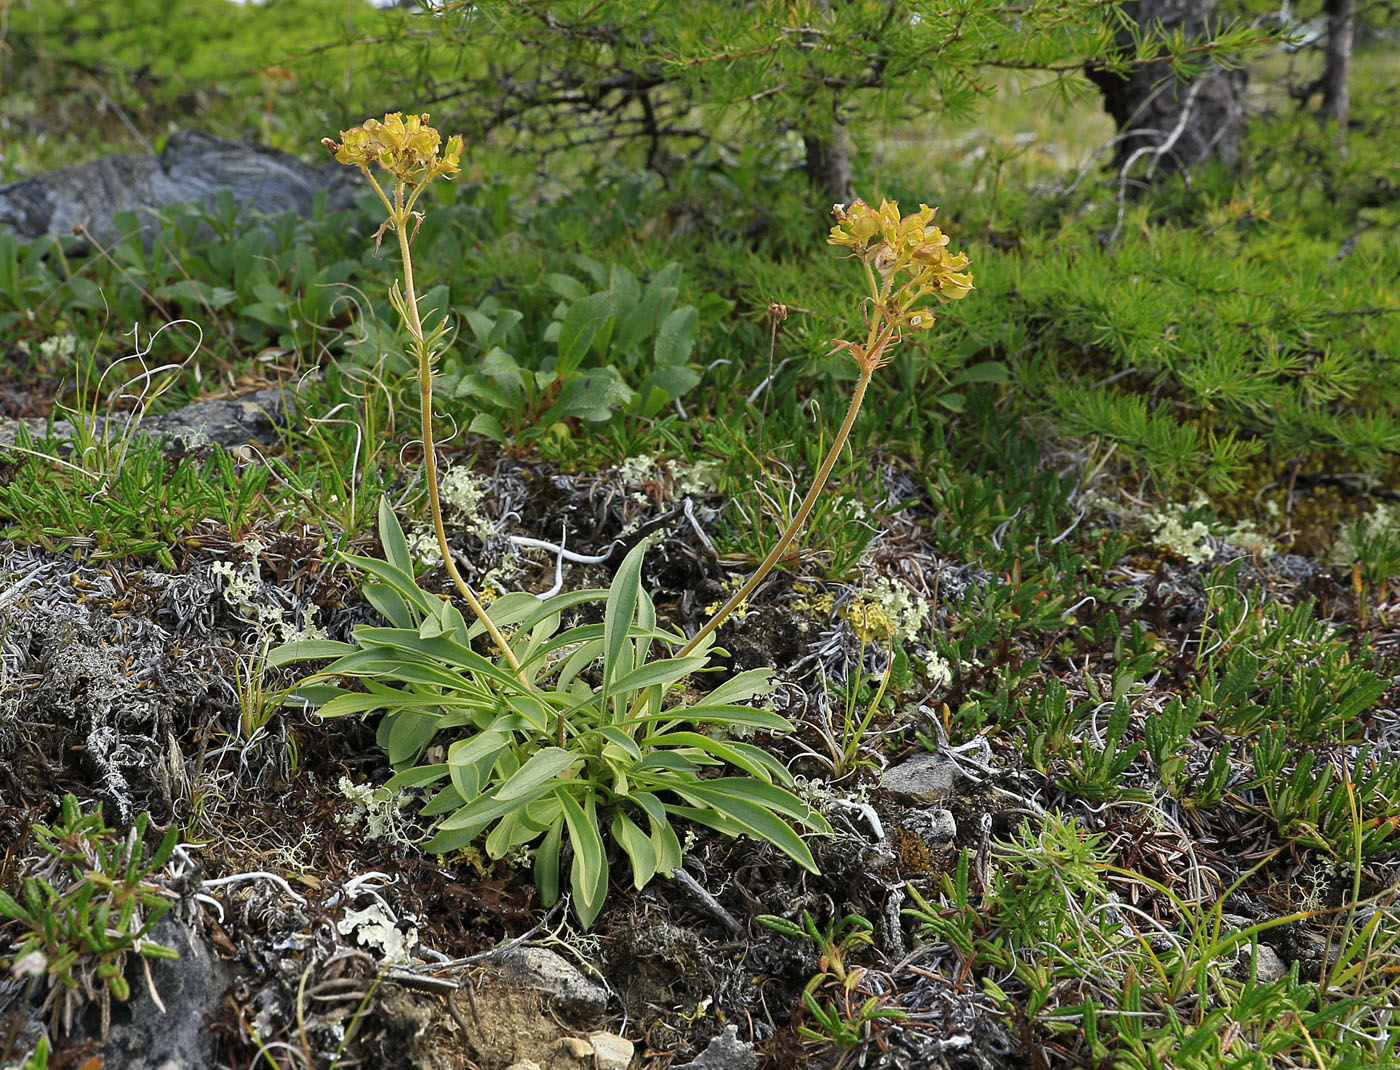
column 313, row 931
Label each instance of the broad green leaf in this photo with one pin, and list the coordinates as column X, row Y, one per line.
column 757, row 819
column 533, row 710
column 588, row 878
column 746, row 716
column 579, row 660
column 466, row 757
column 561, row 602
column 639, row 849
column 663, row 671
column 416, row 776
column 408, row 732
column 566, row 286
column 547, row 863
column 447, row 799
column 676, row 337
column 510, row 832
column 771, row 797
column 667, row 760
column 487, row 426
column 751, row 760
column 401, row 581
column 742, row 687
column 392, row 539
column 618, row 738
column 544, row 765
column 579, row 327
column 392, row 606
column 507, row 611
column 988, row 371
column 306, row 650
column 618, row 613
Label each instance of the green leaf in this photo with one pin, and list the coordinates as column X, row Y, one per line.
column 668, row 760
column 578, row 329
column 676, row 338
column 639, row 849
column 469, row 761
column 408, row 733
column 750, row 759
column 392, row 606
column 392, row 539
column 306, row 650
column 487, row 426
column 565, row 286
column 738, row 716
column 618, row 613
column 547, row 863
column 988, row 371
column 663, row 671
column 588, row 877
column 620, row 739
column 755, row 817
column 742, row 687
column 545, row 764
column 533, row 710
column 417, row 776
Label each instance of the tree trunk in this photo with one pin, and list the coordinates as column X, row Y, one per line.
column 829, row 164
column 1336, row 97
column 1165, row 124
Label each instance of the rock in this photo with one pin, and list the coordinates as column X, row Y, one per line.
column 936, row 827
column 222, row 422
column 568, row 990
column 524, row 1064
column 192, row 167
column 610, row 1051
column 924, row 778
column 725, row 1052
column 1267, row 965
column 191, row 987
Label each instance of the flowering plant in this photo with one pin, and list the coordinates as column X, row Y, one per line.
column 532, row 754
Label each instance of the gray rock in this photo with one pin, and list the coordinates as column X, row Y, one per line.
column 936, row 827
column 221, row 422
column 550, row 974
column 192, row 167
column 725, row 1052
column 924, row 778
column 1267, row 965
column 191, row 987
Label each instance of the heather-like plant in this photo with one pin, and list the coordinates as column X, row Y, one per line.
column 574, row 733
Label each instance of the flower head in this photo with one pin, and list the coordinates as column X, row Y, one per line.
column 907, row 247
column 405, row 146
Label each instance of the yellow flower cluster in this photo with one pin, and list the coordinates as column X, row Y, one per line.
column 893, row 245
column 405, row 147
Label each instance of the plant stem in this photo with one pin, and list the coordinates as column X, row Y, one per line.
column 425, row 395
column 867, row 369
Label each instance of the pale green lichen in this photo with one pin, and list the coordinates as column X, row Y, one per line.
column 687, row 479
column 1189, row 543
column 938, row 671
column 887, row 612
column 243, row 592
column 379, row 810
column 462, row 493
